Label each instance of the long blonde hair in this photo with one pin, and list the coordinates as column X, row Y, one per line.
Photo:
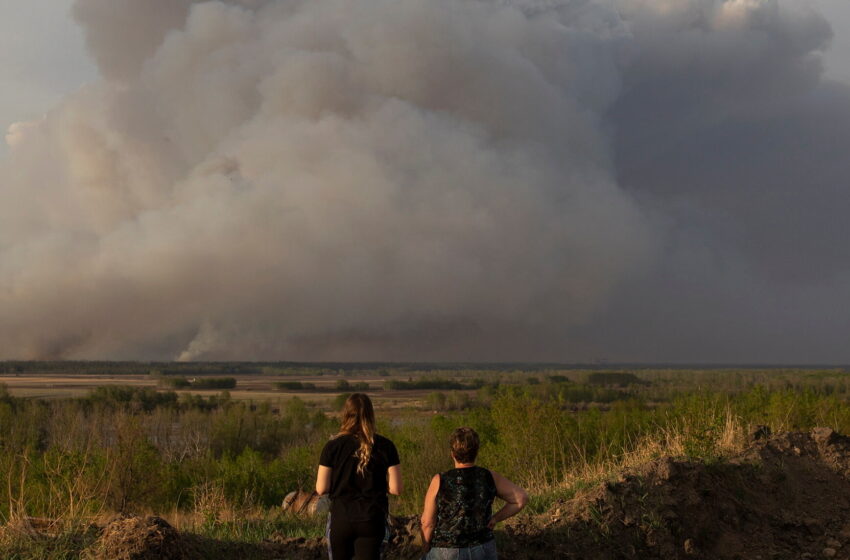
column 358, row 420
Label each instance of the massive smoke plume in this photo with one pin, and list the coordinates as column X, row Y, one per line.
column 435, row 179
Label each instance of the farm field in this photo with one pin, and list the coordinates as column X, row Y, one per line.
column 72, row 380
column 257, row 388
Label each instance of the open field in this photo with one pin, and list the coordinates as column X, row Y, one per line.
column 266, row 382
column 250, row 387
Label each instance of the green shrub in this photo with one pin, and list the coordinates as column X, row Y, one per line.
column 436, row 401
column 619, row 379
column 437, row 383
column 339, row 401
column 214, row 383
column 174, row 382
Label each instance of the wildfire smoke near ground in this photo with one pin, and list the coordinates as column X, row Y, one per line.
column 435, row 180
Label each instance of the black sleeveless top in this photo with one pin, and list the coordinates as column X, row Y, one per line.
column 464, row 507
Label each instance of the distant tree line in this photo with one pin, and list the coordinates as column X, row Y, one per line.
column 340, row 385
column 432, row 383
column 198, row 382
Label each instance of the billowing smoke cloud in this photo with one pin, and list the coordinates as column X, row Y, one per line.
column 434, row 179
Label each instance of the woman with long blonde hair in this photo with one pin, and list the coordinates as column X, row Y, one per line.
column 357, row 468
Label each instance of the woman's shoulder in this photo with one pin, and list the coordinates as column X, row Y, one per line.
column 476, row 473
column 338, row 440
column 383, row 441
column 473, row 470
column 487, row 473
column 336, row 447
column 386, row 449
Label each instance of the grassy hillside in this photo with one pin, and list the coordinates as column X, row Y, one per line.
column 220, row 467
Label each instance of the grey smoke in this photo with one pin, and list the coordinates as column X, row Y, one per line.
column 434, row 179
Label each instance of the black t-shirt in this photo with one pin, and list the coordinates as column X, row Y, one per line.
column 359, row 497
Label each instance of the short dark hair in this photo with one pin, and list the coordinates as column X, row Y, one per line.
column 464, row 443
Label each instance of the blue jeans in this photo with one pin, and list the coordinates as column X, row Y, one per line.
column 486, row 551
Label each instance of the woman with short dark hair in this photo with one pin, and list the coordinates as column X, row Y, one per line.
column 458, row 520
column 357, row 468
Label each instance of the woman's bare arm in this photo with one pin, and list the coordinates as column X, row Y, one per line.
column 394, row 482
column 429, row 511
column 515, row 498
column 323, row 480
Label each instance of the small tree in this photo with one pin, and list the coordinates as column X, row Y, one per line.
column 339, row 400
column 342, row 385
column 436, row 401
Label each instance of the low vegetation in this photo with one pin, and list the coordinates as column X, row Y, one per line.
column 214, row 383
column 220, row 466
column 431, row 383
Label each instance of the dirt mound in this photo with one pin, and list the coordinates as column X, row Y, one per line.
column 786, row 497
column 139, row 538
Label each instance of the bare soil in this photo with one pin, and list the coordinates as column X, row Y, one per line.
column 786, row 497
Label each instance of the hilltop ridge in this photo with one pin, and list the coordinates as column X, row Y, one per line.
column 786, row 496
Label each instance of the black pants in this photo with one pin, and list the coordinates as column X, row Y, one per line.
column 358, row 540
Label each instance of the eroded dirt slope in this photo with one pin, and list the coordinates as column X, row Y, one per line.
column 786, row 497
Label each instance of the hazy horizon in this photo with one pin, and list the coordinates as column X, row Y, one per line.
column 451, row 365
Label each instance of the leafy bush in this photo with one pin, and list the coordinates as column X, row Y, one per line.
column 177, row 382
column 289, row 385
column 130, row 398
column 619, row 379
column 437, row 383
column 214, row 383
column 339, row 401
column 174, row 382
column 436, row 401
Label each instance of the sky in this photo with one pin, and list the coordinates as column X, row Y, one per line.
column 43, row 55
column 522, row 180
column 42, row 58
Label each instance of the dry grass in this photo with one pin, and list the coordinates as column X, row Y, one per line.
column 667, row 442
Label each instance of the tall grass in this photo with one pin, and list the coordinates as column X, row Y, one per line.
column 221, row 468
